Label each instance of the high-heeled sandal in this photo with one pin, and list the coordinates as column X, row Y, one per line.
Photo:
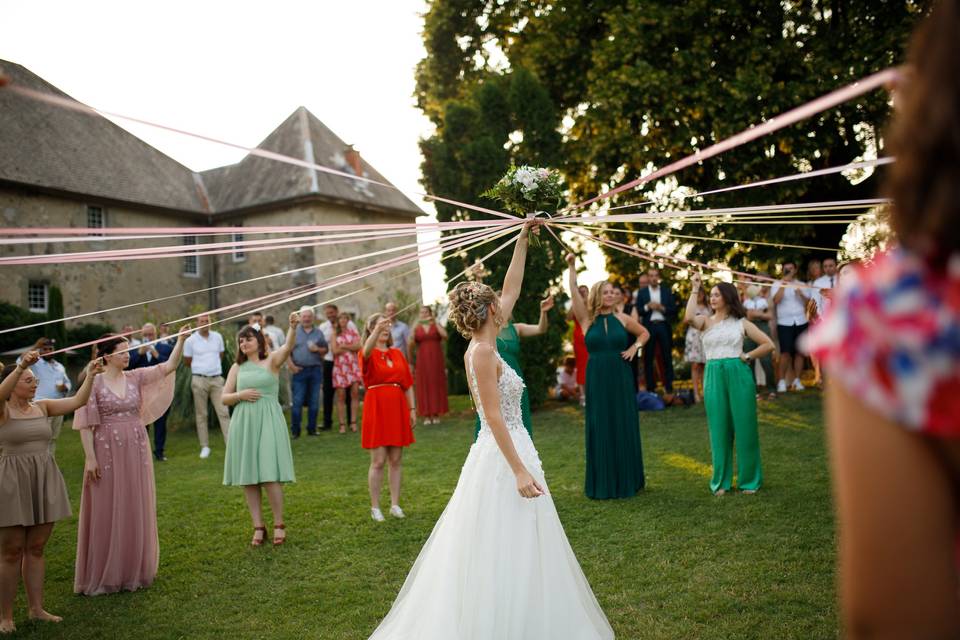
column 277, row 541
column 255, row 542
column 343, row 428
column 353, row 427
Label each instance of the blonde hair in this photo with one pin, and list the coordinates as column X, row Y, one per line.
column 371, row 323
column 469, row 306
column 595, row 298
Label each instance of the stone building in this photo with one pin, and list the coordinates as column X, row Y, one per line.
column 63, row 168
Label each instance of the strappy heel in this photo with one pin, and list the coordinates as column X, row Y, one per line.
column 255, row 542
column 277, row 541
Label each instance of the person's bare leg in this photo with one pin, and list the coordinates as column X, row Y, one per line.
column 33, row 570
column 786, row 369
column 798, row 365
column 897, row 545
column 395, row 458
column 252, row 493
column 378, row 458
column 696, row 375
column 12, row 544
column 342, row 409
column 354, row 406
column 275, row 497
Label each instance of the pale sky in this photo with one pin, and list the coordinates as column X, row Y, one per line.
column 235, row 70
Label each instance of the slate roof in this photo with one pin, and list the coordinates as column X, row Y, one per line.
column 51, row 147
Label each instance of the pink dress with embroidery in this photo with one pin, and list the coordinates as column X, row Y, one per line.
column 346, row 366
column 117, row 543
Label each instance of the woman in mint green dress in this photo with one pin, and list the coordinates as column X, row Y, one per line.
column 258, row 449
column 508, row 346
column 614, row 453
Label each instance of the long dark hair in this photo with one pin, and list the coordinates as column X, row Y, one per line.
column 110, row 343
column 250, row 332
column 731, row 297
column 925, row 138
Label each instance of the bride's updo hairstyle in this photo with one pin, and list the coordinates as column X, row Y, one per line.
column 470, row 305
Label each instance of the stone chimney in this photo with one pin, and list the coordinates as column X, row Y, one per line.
column 352, row 157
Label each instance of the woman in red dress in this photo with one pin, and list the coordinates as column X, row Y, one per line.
column 431, row 370
column 580, row 348
column 389, row 412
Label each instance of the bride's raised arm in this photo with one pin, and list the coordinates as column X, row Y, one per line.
column 514, row 278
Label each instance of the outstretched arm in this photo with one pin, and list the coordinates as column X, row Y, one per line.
column 529, row 330
column 485, row 367
column 171, row 364
column 514, row 277
column 278, row 357
column 63, row 406
column 691, row 317
column 577, row 304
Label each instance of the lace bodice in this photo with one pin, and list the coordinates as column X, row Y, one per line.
column 723, row 340
column 510, row 388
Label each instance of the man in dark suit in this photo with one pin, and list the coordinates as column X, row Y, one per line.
column 148, row 355
column 658, row 311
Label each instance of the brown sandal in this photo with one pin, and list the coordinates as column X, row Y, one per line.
column 255, row 542
column 277, row 541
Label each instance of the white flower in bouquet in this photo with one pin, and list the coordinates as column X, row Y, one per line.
column 526, row 177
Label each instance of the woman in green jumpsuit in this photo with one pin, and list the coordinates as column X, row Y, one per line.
column 728, row 387
column 613, row 449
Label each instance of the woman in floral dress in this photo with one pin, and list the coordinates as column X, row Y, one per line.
column 346, row 369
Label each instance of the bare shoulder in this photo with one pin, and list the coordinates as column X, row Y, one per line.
column 624, row 318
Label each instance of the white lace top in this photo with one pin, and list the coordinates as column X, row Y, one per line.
column 510, row 387
column 723, row 340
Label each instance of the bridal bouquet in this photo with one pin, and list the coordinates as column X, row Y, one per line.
column 526, row 190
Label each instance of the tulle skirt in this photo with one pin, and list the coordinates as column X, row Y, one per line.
column 497, row 565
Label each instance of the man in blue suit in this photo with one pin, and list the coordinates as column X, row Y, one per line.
column 148, row 355
column 658, row 311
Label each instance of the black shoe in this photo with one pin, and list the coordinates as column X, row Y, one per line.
column 325, row 428
column 160, row 458
column 312, row 433
column 295, row 436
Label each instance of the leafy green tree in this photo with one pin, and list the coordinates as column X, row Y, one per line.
column 640, row 83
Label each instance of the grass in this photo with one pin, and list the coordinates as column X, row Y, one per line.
column 674, row 562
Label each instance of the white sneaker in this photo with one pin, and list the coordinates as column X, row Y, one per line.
column 205, row 452
column 377, row 515
column 782, row 386
column 797, row 385
column 397, row 512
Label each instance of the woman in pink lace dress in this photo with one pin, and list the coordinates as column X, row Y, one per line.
column 117, row 544
column 346, row 369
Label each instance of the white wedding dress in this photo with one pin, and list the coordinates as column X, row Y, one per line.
column 497, row 565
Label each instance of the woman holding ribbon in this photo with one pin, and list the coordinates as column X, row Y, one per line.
column 117, row 543
column 389, row 411
column 258, row 450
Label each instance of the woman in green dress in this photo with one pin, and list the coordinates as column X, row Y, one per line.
column 614, row 454
column 508, row 346
column 258, row 449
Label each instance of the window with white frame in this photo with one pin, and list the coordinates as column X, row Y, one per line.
column 96, row 219
column 191, row 263
column 38, row 297
column 239, row 255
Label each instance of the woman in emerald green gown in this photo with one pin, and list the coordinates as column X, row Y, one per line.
column 508, row 346
column 614, row 454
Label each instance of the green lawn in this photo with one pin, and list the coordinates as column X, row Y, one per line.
column 674, row 562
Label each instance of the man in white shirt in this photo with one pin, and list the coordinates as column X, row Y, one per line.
column 790, row 297
column 52, row 382
column 202, row 352
column 826, row 282
column 331, row 312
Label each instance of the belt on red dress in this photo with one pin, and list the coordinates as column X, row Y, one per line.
column 383, row 384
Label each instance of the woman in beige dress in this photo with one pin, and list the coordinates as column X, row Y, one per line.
column 32, row 493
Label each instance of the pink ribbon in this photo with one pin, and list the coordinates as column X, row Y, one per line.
column 793, row 116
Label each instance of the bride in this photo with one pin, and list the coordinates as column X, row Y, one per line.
column 497, row 565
